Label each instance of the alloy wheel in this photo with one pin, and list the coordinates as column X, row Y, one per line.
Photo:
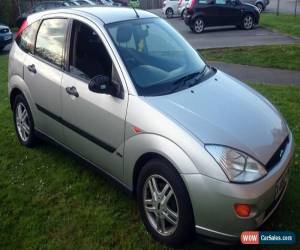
column 160, row 204
column 198, row 25
column 22, row 122
column 248, row 22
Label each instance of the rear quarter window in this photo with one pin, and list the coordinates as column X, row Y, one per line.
column 26, row 40
column 50, row 41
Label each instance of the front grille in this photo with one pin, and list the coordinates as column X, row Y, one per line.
column 278, row 154
column 3, row 31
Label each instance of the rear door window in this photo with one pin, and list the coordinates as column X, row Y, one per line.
column 50, row 40
column 26, row 40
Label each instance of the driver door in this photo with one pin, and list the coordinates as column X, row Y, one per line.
column 93, row 123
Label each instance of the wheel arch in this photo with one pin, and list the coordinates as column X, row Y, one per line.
column 13, row 94
column 141, row 148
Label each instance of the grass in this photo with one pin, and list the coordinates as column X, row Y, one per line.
column 285, row 23
column 48, row 200
column 274, row 56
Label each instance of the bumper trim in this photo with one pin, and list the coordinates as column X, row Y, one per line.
column 216, row 234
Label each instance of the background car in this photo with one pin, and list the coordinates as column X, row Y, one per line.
column 260, row 4
column 205, row 13
column 170, row 7
column 182, row 7
column 41, row 7
column 6, row 36
column 81, row 2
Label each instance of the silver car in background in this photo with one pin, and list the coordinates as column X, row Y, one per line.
column 120, row 88
column 260, row 4
column 6, row 36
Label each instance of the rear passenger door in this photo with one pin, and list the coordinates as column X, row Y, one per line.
column 43, row 75
column 229, row 12
column 208, row 10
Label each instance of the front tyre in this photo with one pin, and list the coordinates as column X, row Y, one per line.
column 198, row 25
column 164, row 203
column 23, row 121
column 248, row 22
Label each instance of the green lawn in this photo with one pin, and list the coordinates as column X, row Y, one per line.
column 49, row 200
column 275, row 56
column 285, row 23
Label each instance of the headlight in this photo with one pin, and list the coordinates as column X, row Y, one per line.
column 238, row 166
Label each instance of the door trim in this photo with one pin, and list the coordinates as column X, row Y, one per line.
column 79, row 131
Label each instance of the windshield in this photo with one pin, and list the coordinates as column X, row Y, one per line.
column 155, row 55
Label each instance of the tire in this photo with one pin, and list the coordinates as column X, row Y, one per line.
column 183, row 14
column 198, row 25
column 24, row 124
column 174, row 234
column 248, row 22
column 260, row 7
column 169, row 13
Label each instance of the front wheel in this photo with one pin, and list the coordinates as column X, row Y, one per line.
column 248, row 22
column 198, row 25
column 164, row 203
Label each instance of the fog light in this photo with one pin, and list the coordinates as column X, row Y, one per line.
column 242, row 210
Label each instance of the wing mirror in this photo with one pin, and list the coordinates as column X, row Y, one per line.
column 103, row 85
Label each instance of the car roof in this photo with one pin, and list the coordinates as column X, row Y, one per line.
column 106, row 14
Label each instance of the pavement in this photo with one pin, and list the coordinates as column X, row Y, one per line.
column 228, row 36
column 255, row 74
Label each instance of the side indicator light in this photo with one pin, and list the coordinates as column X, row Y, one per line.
column 136, row 130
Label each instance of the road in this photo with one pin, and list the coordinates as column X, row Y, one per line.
column 221, row 37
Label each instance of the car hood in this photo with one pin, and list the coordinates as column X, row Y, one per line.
column 222, row 110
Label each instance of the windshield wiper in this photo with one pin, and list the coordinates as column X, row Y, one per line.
column 188, row 80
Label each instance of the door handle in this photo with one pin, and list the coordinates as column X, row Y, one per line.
column 32, row 68
column 72, row 91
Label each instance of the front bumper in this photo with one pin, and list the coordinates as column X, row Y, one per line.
column 213, row 200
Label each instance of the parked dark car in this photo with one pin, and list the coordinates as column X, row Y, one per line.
column 41, row 6
column 204, row 13
column 6, row 36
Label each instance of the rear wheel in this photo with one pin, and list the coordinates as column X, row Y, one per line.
column 183, row 14
column 169, row 12
column 164, row 203
column 260, row 7
column 248, row 22
column 23, row 121
column 198, row 25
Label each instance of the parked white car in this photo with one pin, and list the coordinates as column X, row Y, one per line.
column 170, row 8
column 182, row 7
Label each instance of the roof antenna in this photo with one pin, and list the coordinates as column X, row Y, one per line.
column 137, row 15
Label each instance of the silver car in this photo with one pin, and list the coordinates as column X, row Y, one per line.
column 6, row 36
column 121, row 89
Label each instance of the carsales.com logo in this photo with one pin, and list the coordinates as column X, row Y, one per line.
column 268, row 238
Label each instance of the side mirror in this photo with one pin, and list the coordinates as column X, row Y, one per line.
column 103, row 85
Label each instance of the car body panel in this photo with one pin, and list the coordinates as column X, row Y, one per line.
column 223, row 111
column 219, row 110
